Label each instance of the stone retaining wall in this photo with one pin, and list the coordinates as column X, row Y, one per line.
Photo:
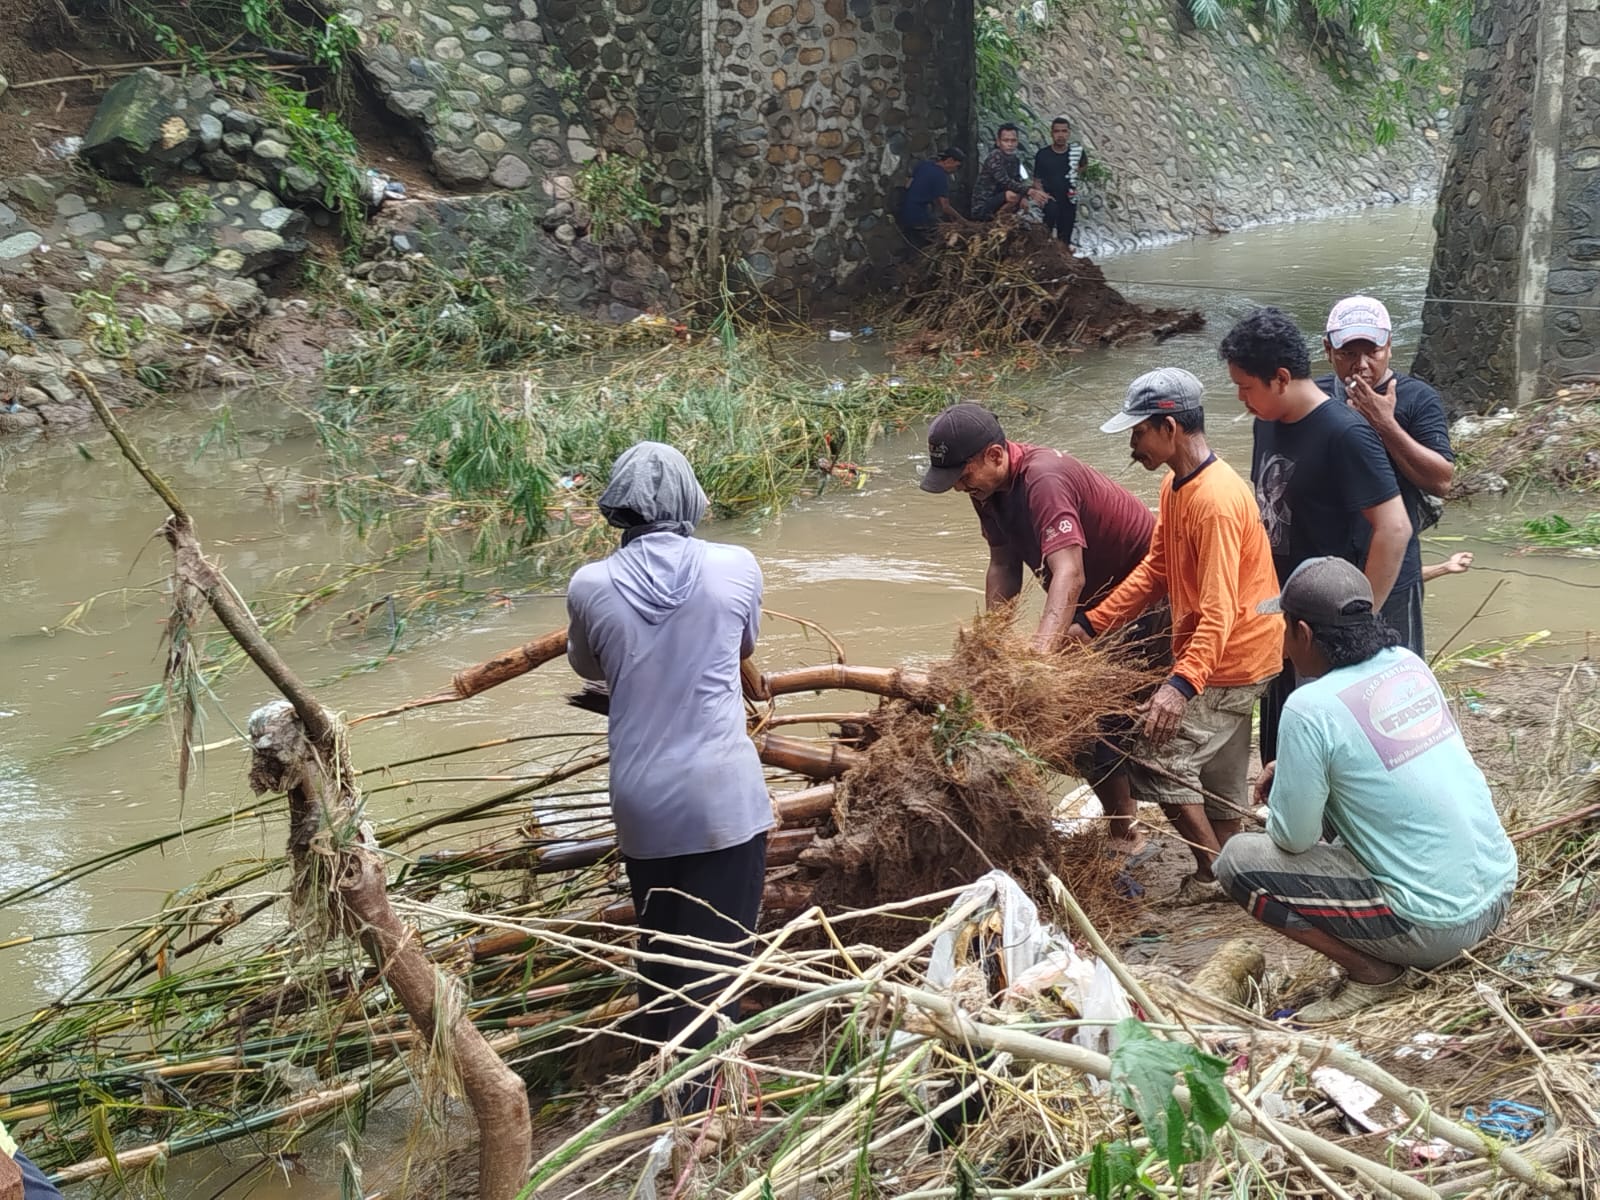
column 1216, row 129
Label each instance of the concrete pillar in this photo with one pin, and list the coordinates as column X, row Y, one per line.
column 1513, row 306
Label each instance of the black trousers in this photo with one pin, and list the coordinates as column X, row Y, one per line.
column 1061, row 215
column 714, row 897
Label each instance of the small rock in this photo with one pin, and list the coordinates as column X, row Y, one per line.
column 70, row 205
column 210, row 130
column 301, row 183
column 220, row 165
column 236, row 120
column 57, row 388
column 511, row 172
column 19, row 244
column 270, row 151
column 566, row 234
column 24, row 419
column 30, row 396
column 8, row 216
column 160, row 315
column 402, row 243
column 184, row 258
column 36, row 192
column 227, row 260
column 237, row 144
column 86, row 224
column 133, row 222
column 239, row 296
column 275, row 218
column 460, row 166
column 5, row 85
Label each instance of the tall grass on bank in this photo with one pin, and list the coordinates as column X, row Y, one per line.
column 470, row 437
column 520, row 458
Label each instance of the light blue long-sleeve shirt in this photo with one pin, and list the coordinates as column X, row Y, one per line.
column 1375, row 749
column 664, row 621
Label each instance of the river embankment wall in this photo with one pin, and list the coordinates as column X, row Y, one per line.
column 1210, row 130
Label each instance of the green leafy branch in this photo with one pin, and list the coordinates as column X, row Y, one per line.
column 1145, row 1071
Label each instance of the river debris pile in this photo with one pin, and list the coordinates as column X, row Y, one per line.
column 940, row 797
column 215, row 1021
column 1553, row 442
column 1012, row 283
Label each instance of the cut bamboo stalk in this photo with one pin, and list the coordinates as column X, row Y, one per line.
column 894, row 682
column 492, row 672
column 814, row 760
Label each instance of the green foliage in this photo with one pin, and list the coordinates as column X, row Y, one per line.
column 111, row 333
column 205, row 30
column 320, row 142
column 1556, row 532
column 1144, row 1071
column 517, row 462
column 958, row 729
column 615, row 189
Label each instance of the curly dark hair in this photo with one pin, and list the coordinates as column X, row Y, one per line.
column 1263, row 341
column 1347, row 645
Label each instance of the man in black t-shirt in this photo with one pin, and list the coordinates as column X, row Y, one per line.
column 1056, row 170
column 1408, row 417
column 1322, row 478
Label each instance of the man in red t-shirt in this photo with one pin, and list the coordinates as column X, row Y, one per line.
column 1074, row 528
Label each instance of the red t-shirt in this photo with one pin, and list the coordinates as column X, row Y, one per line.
column 1054, row 501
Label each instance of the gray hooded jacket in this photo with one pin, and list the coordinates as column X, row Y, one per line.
column 664, row 621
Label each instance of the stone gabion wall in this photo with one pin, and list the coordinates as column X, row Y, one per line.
column 1217, row 129
column 477, row 80
column 822, row 109
column 641, row 72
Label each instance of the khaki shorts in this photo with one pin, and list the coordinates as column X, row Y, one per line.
column 1211, row 750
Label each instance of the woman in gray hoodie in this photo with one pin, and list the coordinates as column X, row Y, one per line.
column 665, row 621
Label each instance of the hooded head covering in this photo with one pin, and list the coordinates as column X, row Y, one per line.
column 653, row 490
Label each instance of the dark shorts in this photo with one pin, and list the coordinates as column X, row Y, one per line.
column 1148, row 643
column 1402, row 612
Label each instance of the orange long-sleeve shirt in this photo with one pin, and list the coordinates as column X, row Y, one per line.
column 1209, row 556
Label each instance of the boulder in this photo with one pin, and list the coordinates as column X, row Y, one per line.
column 140, row 129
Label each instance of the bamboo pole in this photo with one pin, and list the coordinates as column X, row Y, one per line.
column 301, row 749
column 894, row 682
column 814, row 760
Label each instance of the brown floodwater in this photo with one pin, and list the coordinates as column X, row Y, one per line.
column 889, row 570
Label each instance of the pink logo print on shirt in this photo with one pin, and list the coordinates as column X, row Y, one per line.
column 1401, row 711
column 1066, row 525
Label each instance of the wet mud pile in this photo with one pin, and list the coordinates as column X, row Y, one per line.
column 947, row 792
column 1008, row 283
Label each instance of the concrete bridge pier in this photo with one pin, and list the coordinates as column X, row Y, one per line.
column 1513, row 307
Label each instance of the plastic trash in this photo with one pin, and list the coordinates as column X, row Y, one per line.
column 1506, row 1119
column 864, row 331
column 1106, row 1004
column 839, row 335
column 65, row 148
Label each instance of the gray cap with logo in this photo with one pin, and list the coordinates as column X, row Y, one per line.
column 1323, row 591
column 1158, row 393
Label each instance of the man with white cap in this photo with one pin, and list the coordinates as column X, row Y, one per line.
column 1209, row 558
column 1408, row 417
column 1421, row 869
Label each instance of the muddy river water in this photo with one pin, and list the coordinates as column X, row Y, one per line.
column 888, row 570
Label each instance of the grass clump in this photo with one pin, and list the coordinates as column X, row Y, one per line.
column 520, row 459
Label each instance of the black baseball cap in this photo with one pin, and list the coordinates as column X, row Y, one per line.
column 1324, row 591
column 953, row 152
column 958, row 435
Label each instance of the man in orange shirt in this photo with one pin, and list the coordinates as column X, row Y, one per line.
column 1210, row 559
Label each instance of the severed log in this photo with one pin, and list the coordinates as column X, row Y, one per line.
column 894, row 682
column 1228, row 974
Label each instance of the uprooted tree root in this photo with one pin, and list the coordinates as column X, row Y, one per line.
column 1000, row 284
column 938, row 799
